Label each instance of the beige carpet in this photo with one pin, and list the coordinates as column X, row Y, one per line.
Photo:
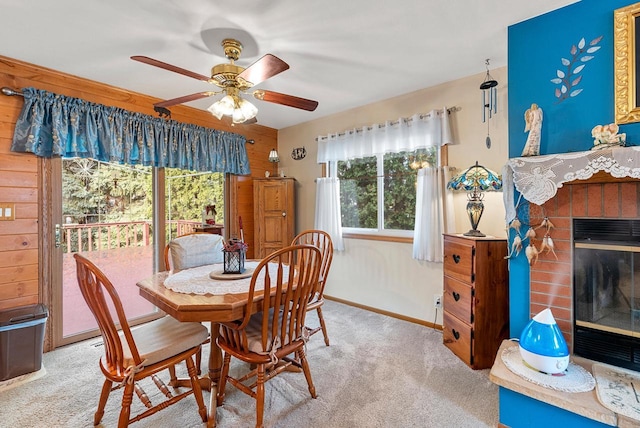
column 378, row 372
column 17, row 381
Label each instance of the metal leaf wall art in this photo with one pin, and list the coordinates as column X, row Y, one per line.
column 568, row 78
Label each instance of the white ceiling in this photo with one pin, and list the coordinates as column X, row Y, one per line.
column 342, row 53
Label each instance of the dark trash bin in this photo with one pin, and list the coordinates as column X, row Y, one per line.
column 21, row 340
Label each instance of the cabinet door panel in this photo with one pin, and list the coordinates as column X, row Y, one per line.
column 457, row 299
column 273, row 214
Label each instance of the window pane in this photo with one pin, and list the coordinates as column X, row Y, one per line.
column 400, row 174
column 399, row 192
column 107, row 217
column 359, row 193
column 384, row 182
column 188, row 193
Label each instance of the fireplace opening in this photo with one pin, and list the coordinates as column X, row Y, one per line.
column 606, row 291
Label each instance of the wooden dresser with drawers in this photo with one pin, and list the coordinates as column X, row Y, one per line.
column 476, row 298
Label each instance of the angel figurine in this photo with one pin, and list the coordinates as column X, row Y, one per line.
column 533, row 120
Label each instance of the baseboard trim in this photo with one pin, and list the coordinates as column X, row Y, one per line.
column 387, row 313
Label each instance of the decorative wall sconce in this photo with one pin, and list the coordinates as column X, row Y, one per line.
column 274, row 158
column 489, row 100
column 475, row 180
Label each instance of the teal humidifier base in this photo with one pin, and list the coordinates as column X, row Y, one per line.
column 542, row 345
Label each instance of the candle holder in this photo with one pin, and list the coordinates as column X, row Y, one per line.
column 234, row 256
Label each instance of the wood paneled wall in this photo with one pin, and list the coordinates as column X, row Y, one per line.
column 19, row 173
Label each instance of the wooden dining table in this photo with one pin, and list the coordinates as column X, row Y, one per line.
column 213, row 308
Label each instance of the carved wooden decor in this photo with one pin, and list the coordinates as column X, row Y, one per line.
column 627, row 109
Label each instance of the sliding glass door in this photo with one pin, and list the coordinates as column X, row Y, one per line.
column 105, row 213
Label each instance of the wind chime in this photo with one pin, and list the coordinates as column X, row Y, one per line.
column 489, row 100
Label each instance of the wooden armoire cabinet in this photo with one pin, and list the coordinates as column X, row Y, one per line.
column 274, row 214
column 476, row 298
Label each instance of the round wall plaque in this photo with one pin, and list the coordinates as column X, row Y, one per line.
column 299, row 153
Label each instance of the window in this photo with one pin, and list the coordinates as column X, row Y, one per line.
column 187, row 195
column 378, row 193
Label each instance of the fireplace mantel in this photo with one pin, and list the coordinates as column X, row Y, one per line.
column 538, row 178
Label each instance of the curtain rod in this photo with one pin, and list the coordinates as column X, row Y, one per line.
column 8, row 91
column 395, row 122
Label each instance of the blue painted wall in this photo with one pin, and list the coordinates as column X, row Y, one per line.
column 536, row 49
column 541, row 50
column 518, row 411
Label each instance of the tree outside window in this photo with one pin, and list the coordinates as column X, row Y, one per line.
column 378, row 193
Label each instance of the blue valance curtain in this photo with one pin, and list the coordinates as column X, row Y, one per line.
column 57, row 125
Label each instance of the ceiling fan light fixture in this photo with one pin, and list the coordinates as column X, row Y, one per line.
column 234, row 80
column 243, row 111
column 232, row 104
column 238, row 116
column 248, row 110
column 223, row 107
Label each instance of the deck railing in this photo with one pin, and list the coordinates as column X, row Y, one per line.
column 105, row 236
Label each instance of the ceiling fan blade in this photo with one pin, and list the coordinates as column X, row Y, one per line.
column 264, row 68
column 164, row 65
column 287, row 100
column 184, row 99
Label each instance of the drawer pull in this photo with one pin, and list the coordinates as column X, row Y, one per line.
column 456, row 258
column 456, row 296
column 455, row 333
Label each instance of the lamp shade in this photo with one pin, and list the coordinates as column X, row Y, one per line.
column 476, row 177
column 475, row 180
column 232, row 105
column 223, row 107
column 273, row 156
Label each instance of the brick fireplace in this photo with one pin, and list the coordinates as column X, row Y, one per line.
column 552, row 280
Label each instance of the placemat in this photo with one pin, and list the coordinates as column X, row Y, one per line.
column 197, row 280
column 574, row 379
column 618, row 389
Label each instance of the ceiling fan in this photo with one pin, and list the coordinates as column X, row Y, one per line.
column 234, row 80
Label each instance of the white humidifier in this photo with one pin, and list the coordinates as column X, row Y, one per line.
column 542, row 345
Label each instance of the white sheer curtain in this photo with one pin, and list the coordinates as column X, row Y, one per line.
column 434, row 214
column 407, row 134
column 328, row 215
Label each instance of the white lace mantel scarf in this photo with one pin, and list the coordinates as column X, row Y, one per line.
column 538, row 178
column 197, row 281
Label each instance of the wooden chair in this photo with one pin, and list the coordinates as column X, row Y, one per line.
column 266, row 338
column 195, row 249
column 131, row 355
column 321, row 240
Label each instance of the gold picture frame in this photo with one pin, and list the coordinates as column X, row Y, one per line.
column 627, row 101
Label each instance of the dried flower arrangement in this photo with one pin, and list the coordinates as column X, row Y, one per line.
column 234, row 245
